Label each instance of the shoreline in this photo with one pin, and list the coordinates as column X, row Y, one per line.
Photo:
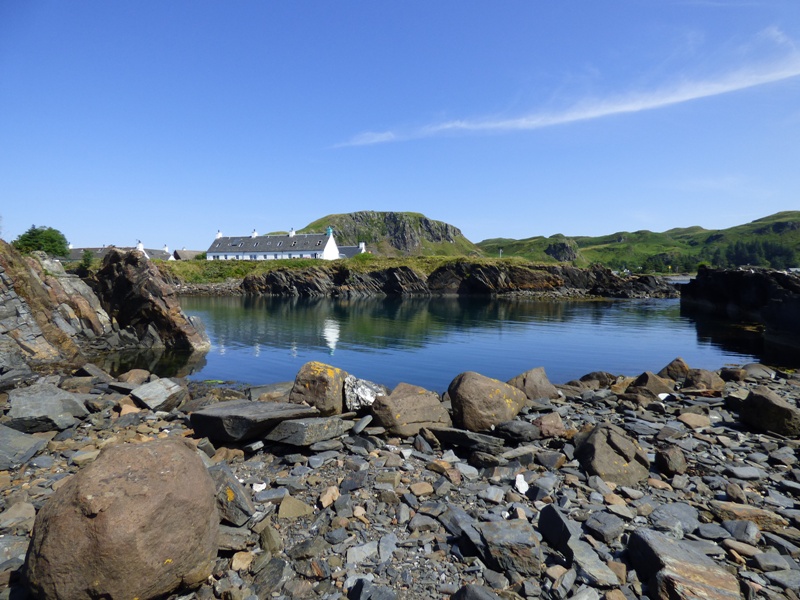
column 356, row 477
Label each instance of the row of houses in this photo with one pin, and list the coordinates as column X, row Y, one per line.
column 321, row 246
column 283, row 246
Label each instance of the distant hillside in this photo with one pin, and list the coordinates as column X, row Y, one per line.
column 396, row 233
column 772, row 241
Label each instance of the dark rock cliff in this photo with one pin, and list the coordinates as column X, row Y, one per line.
column 766, row 296
column 457, row 278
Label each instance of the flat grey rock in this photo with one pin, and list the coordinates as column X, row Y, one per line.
column 241, row 420
column 43, row 407
column 161, row 394
column 304, row 432
column 666, row 563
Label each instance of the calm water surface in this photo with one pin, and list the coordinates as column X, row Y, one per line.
column 429, row 341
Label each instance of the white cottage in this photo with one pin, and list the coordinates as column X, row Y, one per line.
column 274, row 247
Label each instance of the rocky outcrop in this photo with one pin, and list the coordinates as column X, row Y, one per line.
column 393, row 232
column 132, row 291
column 460, row 277
column 48, row 316
column 766, row 296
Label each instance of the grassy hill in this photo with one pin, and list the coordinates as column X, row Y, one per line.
column 770, row 241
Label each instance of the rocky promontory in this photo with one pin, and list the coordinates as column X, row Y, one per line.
column 677, row 484
column 50, row 317
column 461, row 277
column 765, row 296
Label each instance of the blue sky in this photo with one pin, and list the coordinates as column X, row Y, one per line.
column 166, row 121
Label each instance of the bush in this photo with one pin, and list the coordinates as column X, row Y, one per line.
column 45, row 239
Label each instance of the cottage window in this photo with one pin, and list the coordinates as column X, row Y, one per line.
column 294, row 244
column 279, row 244
column 319, row 242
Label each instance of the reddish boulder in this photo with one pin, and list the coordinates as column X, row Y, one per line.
column 119, row 527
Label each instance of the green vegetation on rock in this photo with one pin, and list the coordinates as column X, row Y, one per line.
column 45, row 239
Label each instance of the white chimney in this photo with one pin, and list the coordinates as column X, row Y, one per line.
column 362, row 247
column 291, row 232
column 140, row 246
column 166, row 249
column 219, row 234
column 254, row 234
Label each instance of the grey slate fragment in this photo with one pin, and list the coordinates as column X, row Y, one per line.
column 449, row 436
column 17, row 448
column 43, row 407
column 674, row 569
column 304, row 432
column 745, row 473
column 789, row 579
column 511, row 545
column 233, row 501
column 353, row 481
column 666, row 515
column 358, row 554
column 474, row 592
column 782, row 545
column 590, row 568
column 768, row 561
column 743, row 531
column 161, row 394
column 240, row 420
column 460, row 524
column 363, row 589
column 605, row 526
column 557, row 529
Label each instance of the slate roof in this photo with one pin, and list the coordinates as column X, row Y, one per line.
column 349, row 251
column 185, row 254
column 76, row 254
column 271, row 243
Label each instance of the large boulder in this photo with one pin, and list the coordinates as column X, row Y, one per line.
column 133, row 292
column 321, row 386
column 480, row 402
column 408, row 409
column 608, row 452
column 535, row 384
column 119, row 527
column 765, row 410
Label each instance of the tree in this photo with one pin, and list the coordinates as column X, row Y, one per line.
column 48, row 240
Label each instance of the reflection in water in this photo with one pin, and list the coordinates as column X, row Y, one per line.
column 164, row 363
column 330, row 331
column 427, row 341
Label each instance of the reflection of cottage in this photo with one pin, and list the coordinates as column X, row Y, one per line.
column 276, row 247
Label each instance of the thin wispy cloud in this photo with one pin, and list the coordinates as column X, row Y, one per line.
column 677, row 92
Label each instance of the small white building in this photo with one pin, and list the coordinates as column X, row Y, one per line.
column 275, row 247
